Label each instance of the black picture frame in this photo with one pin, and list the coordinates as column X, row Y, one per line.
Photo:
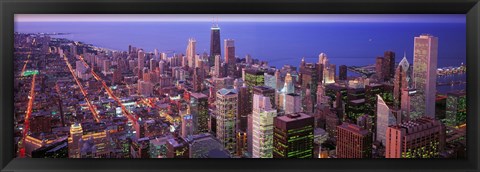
column 10, row 7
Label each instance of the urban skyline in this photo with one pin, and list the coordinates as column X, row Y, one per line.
column 76, row 100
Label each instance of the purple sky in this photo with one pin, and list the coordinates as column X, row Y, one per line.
column 382, row 18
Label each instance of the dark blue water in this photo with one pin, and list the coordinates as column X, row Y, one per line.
column 277, row 43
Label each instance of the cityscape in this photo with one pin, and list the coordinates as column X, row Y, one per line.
column 74, row 99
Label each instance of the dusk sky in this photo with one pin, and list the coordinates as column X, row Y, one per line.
column 349, row 39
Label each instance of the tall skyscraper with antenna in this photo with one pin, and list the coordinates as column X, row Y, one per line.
column 214, row 43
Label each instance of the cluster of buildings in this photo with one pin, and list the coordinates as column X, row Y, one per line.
column 139, row 104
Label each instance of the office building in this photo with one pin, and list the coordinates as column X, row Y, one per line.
column 226, row 104
column 425, row 74
column 263, row 114
column 293, row 136
column 353, row 141
column 423, row 137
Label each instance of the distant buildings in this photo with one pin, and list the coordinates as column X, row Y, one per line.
column 230, row 60
column 342, row 72
column 191, row 52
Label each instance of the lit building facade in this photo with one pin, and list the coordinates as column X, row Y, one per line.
column 226, row 104
column 263, row 114
column 423, row 137
column 293, row 136
column 425, row 74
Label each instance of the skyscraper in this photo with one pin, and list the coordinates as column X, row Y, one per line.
column 267, row 92
column 389, row 65
column 425, row 73
column 243, row 98
column 353, row 141
column 191, row 52
column 226, row 104
column 423, row 137
column 342, row 73
column 229, row 46
column 188, row 126
column 293, row 136
column 292, row 103
column 76, row 133
column 379, row 70
column 386, row 116
column 199, row 109
column 214, row 43
column 263, row 114
column 141, row 63
column 218, row 67
column 309, row 81
column 400, row 83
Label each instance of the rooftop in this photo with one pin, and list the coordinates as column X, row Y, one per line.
column 293, row 117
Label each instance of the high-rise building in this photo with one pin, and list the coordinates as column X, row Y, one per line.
column 74, row 147
column 229, row 46
column 425, row 73
column 342, row 73
column 218, row 72
column 353, row 141
column 456, row 111
column 400, row 82
column 117, row 76
column 188, row 127
column 199, row 109
column 141, row 63
column 292, row 103
column 267, row 92
column 389, row 65
column 423, row 137
column 386, row 116
column 293, row 136
column 226, row 104
column 161, row 67
column 253, row 77
column 289, row 85
column 198, row 77
column 214, row 43
column 191, row 52
column 309, row 81
column 379, row 70
column 263, row 114
column 243, row 98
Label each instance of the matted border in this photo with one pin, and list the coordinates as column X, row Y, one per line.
column 10, row 7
